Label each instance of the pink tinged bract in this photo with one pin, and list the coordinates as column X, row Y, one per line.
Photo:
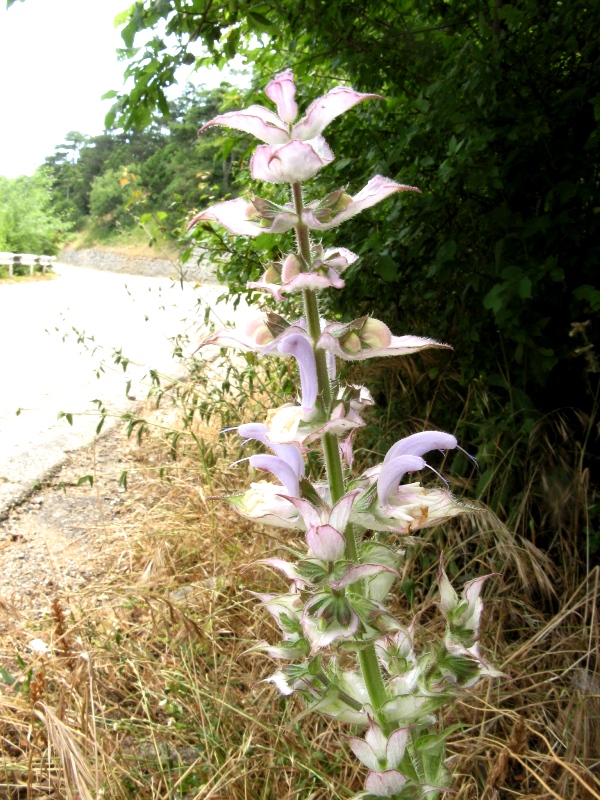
column 377, row 189
column 385, row 784
column 325, row 543
column 321, row 633
column 337, row 257
column 239, row 217
column 263, row 502
column 420, row 443
column 359, row 572
column 291, row 162
column 326, row 108
column 364, row 753
column 282, row 91
column 366, row 338
column 256, row 120
column 393, row 472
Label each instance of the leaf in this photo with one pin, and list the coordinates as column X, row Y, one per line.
column 386, row 268
column 86, row 479
column 4, row 674
column 109, row 95
column 123, row 479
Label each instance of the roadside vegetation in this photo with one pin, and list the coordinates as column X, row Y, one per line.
column 148, row 688
column 493, row 112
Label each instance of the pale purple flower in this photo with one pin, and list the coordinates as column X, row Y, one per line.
column 288, row 452
column 301, row 348
column 288, row 472
column 392, row 473
column 417, row 444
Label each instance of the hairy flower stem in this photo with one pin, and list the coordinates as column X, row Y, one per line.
column 368, row 659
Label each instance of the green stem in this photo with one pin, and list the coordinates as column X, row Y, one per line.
column 333, row 462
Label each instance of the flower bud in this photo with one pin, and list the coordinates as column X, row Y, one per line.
column 350, row 344
column 258, row 331
column 291, row 267
column 375, row 334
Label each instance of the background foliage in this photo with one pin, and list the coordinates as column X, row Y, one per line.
column 28, row 221
column 492, row 110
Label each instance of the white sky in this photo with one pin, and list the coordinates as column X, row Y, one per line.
column 57, row 58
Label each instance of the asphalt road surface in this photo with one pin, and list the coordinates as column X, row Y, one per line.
column 54, row 337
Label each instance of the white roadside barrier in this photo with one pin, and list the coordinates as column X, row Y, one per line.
column 25, row 259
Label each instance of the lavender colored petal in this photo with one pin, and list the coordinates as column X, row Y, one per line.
column 290, row 162
column 420, row 443
column 325, row 109
column 377, row 189
column 377, row 740
column 393, row 472
column 257, row 120
column 300, row 347
column 282, row 90
column 288, row 476
column 287, row 452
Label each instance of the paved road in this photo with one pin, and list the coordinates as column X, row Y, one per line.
column 45, row 367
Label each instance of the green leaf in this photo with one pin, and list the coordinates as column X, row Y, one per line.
column 4, row 674
column 86, row 479
column 386, row 268
column 109, row 95
column 123, row 16
column 123, row 479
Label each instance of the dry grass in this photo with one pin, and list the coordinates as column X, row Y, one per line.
column 147, row 690
column 6, row 280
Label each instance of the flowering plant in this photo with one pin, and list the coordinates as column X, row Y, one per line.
column 334, row 610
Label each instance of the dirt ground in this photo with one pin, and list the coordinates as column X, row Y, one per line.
column 68, row 535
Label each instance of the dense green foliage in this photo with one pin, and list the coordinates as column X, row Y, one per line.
column 28, row 222
column 104, row 179
column 493, row 112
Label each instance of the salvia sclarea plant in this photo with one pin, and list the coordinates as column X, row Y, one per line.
column 334, row 613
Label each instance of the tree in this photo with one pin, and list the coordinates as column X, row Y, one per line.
column 28, row 223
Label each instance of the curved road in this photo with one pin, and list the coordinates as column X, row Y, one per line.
column 55, row 335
